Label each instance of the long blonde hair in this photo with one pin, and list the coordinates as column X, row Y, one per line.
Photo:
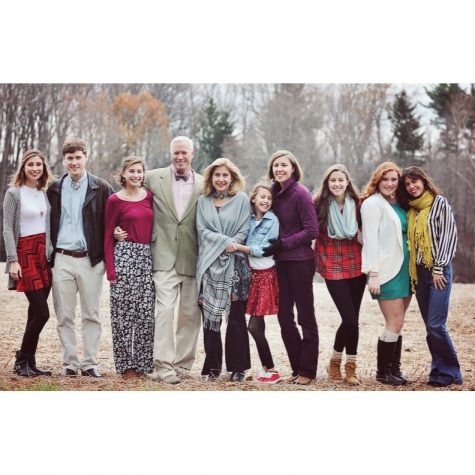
column 237, row 181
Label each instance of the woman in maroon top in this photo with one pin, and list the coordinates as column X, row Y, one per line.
column 129, row 270
column 295, row 264
column 338, row 256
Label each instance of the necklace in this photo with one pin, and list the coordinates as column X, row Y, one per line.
column 220, row 196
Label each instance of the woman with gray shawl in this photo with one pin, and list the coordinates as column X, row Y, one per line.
column 223, row 220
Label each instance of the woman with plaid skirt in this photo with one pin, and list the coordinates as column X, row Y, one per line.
column 338, row 259
column 26, row 230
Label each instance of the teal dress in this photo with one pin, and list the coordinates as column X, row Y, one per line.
column 399, row 286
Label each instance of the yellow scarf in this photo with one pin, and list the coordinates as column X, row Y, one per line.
column 418, row 237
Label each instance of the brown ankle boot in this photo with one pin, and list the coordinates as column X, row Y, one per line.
column 334, row 370
column 350, row 373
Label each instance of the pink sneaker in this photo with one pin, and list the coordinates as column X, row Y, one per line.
column 269, row 378
column 262, row 376
column 273, row 377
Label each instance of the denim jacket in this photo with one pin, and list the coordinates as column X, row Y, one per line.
column 260, row 233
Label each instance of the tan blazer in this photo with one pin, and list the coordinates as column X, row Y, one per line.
column 174, row 242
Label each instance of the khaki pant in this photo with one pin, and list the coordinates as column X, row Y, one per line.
column 70, row 276
column 175, row 348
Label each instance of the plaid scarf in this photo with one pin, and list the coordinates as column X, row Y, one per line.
column 215, row 267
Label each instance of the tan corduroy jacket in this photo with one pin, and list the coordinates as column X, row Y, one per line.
column 174, row 242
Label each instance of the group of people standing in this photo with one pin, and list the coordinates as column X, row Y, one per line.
column 180, row 250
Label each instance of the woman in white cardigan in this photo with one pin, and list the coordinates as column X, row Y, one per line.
column 385, row 259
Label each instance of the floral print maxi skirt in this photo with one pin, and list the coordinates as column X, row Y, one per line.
column 132, row 301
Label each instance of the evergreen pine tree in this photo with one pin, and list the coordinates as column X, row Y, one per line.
column 405, row 126
column 215, row 128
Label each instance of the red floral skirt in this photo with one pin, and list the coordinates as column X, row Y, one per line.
column 263, row 296
column 35, row 271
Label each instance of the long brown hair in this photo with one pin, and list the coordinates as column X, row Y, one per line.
column 322, row 196
column 415, row 173
column 19, row 178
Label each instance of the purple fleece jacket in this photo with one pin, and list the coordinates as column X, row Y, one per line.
column 293, row 205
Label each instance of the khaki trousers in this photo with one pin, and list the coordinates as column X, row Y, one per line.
column 70, row 276
column 175, row 348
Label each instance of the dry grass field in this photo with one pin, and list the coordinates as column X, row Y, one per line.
column 415, row 358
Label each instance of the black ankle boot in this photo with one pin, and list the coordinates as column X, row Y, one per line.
column 396, row 361
column 385, row 354
column 39, row 372
column 22, row 366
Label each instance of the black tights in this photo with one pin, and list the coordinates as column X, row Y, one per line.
column 38, row 315
column 257, row 328
column 347, row 295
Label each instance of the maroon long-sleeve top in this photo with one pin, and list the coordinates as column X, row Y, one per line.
column 293, row 205
column 134, row 217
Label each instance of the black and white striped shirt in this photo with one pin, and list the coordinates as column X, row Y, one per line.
column 443, row 234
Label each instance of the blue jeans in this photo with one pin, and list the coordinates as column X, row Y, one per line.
column 434, row 307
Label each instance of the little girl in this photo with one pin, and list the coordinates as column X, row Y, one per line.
column 264, row 292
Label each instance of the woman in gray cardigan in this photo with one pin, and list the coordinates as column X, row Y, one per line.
column 26, row 224
column 223, row 220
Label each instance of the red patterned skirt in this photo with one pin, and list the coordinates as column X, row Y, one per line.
column 35, row 271
column 263, row 296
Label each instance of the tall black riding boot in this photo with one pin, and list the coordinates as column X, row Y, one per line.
column 385, row 355
column 39, row 372
column 22, row 366
column 396, row 361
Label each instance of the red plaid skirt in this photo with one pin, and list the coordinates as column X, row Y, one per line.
column 35, row 271
column 263, row 296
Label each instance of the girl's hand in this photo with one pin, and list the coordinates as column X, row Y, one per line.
column 439, row 281
column 119, row 234
column 15, row 270
column 373, row 284
column 231, row 248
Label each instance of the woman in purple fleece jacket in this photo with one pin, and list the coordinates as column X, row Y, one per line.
column 295, row 264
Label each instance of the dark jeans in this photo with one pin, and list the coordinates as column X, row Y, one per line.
column 257, row 329
column 347, row 295
column 237, row 352
column 296, row 287
column 434, row 307
column 38, row 315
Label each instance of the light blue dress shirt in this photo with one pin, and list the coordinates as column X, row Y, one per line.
column 71, row 229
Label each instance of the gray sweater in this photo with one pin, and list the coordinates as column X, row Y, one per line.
column 11, row 227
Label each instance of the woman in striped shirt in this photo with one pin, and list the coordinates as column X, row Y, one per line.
column 338, row 258
column 432, row 238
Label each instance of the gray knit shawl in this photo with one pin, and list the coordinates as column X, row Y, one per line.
column 215, row 267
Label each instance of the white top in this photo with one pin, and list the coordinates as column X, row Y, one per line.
column 32, row 211
column 382, row 250
column 259, row 263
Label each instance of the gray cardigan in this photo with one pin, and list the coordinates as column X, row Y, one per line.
column 11, row 227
